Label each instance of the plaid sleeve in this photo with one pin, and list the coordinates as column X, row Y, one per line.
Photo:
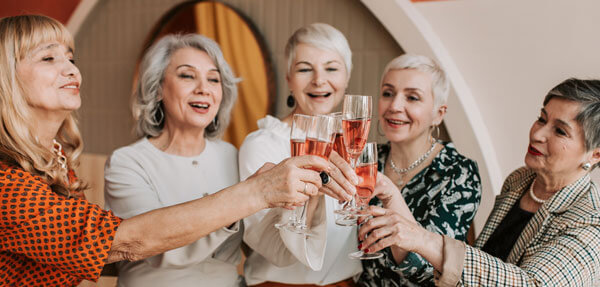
column 571, row 259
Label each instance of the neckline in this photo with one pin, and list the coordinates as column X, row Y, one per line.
column 434, row 163
column 145, row 141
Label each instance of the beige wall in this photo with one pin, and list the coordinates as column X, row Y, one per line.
column 511, row 53
column 109, row 42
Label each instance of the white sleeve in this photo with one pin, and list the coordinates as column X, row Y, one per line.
column 129, row 191
column 281, row 248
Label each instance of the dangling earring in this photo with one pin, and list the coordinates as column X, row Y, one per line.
column 437, row 132
column 214, row 125
column 159, row 115
column 586, row 166
column 380, row 133
column 291, row 101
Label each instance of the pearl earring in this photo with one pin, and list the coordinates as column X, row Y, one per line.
column 586, row 166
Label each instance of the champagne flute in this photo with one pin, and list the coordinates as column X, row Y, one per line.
column 366, row 168
column 340, row 148
column 319, row 142
column 338, row 144
column 300, row 125
column 356, row 122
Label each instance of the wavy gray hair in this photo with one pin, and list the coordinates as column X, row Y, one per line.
column 440, row 85
column 147, row 105
column 587, row 94
column 322, row 36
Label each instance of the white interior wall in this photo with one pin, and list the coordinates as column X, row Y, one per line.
column 511, row 53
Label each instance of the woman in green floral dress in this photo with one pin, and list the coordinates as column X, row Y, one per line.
column 440, row 189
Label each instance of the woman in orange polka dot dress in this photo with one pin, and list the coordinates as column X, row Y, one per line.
column 49, row 234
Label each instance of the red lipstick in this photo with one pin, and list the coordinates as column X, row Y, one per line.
column 532, row 151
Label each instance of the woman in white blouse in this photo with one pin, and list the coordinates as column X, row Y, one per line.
column 319, row 64
column 182, row 106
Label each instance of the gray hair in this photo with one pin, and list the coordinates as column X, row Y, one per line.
column 587, row 94
column 440, row 85
column 322, row 36
column 147, row 108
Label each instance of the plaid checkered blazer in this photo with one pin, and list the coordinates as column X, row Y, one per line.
column 560, row 246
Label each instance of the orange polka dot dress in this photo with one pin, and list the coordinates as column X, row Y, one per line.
column 47, row 239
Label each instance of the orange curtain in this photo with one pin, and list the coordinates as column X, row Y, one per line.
column 243, row 53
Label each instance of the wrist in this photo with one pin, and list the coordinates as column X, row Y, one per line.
column 254, row 188
column 387, row 201
column 434, row 242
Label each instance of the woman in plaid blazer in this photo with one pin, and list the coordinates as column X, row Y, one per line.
column 544, row 229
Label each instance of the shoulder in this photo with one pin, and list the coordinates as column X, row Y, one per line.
column 135, row 149
column 269, row 128
column 450, row 161
column 271, row 133
column 224, row 147
column 586, row 210
column 517, row 179
column 14, row 175
column 131, row 155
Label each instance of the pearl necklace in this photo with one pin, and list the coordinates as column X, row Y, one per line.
column 532, row 195
column 403, row 171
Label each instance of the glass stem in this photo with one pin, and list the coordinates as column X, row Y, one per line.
column 302, row 220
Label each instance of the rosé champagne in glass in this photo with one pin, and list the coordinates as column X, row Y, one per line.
column 356, row 120
column 338, row 142
column 299, row 129
column 367, row 170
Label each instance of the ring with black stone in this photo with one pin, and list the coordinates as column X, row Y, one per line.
column 324, row 178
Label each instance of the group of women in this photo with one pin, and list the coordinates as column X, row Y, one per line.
column 180, row 202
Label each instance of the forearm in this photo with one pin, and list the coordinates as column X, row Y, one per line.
column 163, row 229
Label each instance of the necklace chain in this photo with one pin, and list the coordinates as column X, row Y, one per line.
column 532, row 195
column 413, row 165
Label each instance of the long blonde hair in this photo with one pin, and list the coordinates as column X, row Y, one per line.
column 19, row 36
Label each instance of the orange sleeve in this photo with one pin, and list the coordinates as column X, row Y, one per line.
column 72, row 235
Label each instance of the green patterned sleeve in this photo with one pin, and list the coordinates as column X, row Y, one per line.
column 457, row 198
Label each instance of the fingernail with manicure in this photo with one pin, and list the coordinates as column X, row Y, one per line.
column 366, row 250
column 360, row 246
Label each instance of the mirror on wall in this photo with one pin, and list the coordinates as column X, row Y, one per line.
column 243, row 48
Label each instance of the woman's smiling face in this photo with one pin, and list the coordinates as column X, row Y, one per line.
column 317, row 79
column 191, row 89
column 406, row 105
column 556, row 140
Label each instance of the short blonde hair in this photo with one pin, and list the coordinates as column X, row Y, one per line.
column 147, row 101
column 322, row 36
column 19, row 36
column 440, row 86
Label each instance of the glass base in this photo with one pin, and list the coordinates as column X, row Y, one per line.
column 347, row 220
column 294, row 227
column 360, row 255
